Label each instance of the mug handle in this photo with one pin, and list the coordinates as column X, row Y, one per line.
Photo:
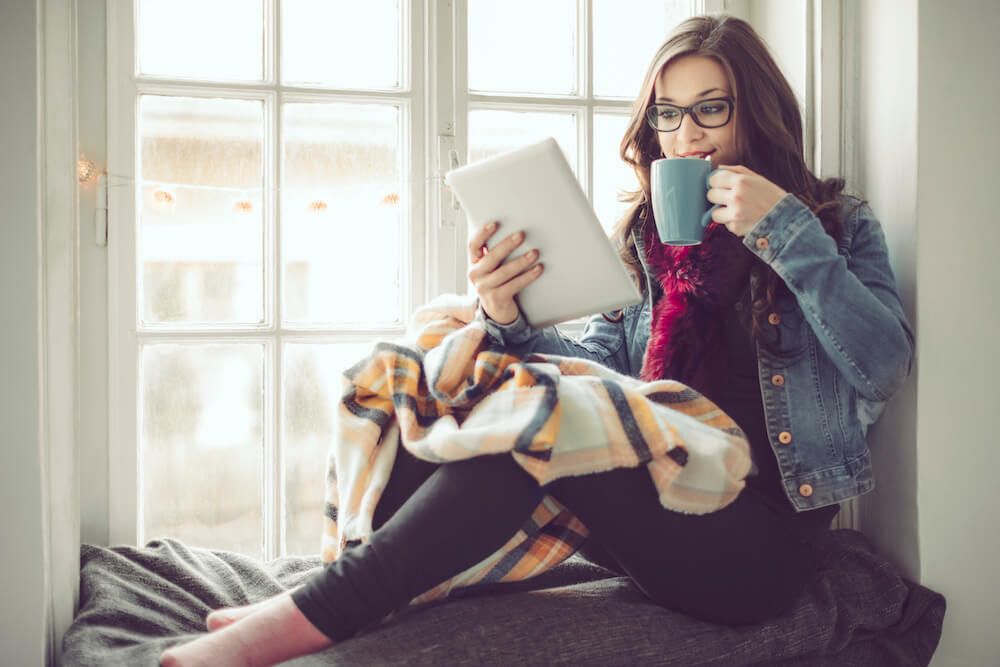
column 707, row 217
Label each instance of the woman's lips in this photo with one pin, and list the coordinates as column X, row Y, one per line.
column 698, row 154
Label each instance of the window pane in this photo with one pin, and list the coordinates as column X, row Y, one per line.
column 200, row 240
column 311, row 387
column 523, row 46
column 626, row 36
column 341, row 214
column 216, row 40
column 611, row 175
column 492, row 132
column 341, row 44
column 201, row 444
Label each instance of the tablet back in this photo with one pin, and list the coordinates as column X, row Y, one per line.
column 533, row 188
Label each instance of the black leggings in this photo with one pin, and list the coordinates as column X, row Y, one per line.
column 742, row 564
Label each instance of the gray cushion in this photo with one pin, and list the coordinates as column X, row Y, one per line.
column 134, row 602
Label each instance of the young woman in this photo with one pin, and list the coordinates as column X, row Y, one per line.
column 786, row 316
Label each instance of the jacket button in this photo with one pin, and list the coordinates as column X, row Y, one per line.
column 762, row 242
column 774, row 318
column 778, row 380
column 805, row 490
column 784, row 437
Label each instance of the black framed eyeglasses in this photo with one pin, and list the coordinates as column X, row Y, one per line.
column 709, row 114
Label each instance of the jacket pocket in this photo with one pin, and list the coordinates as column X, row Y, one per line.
column 792, row 328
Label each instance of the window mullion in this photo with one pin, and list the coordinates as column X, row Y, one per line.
column 415, row 237
column 827, row 40
column 460, row 56
column 273, row 469
column 446, row 132
column 124, row 488
column 586, row 31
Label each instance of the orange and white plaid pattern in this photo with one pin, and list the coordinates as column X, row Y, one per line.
column 447, row 393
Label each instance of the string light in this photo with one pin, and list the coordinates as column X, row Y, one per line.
column 242, row 206
column 85, row 169
column 164, row 196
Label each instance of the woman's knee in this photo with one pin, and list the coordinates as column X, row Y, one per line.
column 737, row 608
column 744, row 596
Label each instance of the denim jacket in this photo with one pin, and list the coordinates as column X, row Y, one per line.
column 846, row 346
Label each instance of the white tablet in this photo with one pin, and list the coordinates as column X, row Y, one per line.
column 533, row 188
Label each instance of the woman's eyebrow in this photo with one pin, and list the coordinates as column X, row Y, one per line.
column 704, row 92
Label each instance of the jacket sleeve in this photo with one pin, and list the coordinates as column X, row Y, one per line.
column 602, row 341
column 851, row 303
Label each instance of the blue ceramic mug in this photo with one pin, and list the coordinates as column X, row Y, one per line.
column 680, row 199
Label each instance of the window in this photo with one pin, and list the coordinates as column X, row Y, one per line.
column 572, row 72
column 277, row 205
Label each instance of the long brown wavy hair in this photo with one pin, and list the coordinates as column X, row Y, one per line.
column 768, row 137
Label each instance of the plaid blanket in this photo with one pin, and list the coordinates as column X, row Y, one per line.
column 449, row 393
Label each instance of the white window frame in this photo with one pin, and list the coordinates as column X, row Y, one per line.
column 124, row 496
column 436, row 235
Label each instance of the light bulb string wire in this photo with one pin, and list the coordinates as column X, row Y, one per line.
column 119, row 181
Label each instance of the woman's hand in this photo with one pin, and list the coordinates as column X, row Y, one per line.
column 745, row 195
column 496, row 285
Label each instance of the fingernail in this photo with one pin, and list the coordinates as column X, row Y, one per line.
column 491, row 226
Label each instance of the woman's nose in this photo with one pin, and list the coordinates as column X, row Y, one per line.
column 688, row 128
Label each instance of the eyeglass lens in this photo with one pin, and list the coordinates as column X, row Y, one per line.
column 710, row 113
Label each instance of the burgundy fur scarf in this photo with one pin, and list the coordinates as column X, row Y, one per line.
column 699, row 283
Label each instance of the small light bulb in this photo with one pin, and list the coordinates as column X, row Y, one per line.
column 243, row 206
column 164, row 197
column 85, row 170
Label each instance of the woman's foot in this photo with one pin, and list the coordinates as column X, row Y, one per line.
column 224, row 648
column 270, row 632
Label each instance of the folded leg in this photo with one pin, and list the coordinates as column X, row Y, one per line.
column 742, row 564
column 458, row 515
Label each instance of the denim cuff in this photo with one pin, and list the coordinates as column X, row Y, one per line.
column 516, row 332
column 786, row 219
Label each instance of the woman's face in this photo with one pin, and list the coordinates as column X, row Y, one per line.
column 683, row 82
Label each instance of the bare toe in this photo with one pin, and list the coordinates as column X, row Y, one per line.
column 217, row 620
column 220, row 618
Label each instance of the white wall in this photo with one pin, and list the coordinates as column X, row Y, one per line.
column 882, row 165
column 958, row 243
column 783, row 26
column 930, row 174
column 22, row 587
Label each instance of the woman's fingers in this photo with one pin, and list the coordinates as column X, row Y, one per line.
column 488, row 263
column 478, row 240
column 509, row 270
column 497, row 280
column 512, row 287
